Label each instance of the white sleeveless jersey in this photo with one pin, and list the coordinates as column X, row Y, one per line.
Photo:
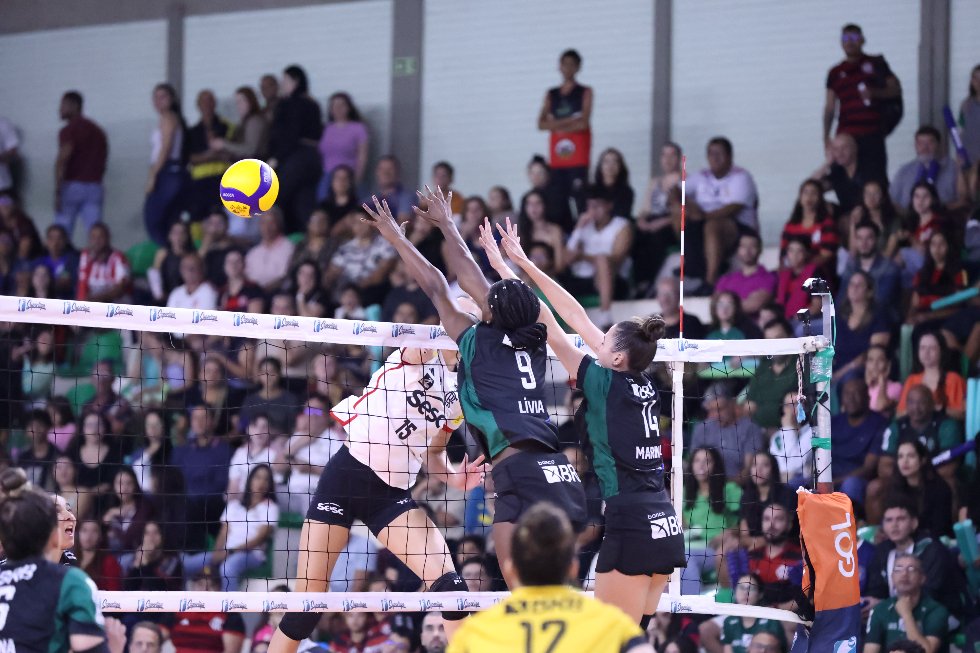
column 402, row 408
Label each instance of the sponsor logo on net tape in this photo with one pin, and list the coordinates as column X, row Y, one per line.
column 324, row 325
column 74, row 307
column 144, row 605
column 285, row 323
column 106, row 604
column 232, row 606
column 186, row 605
column 203, row 316
column 24, row 305
column 387, row 605
column 273, row 606
column 436, row 332
column 243, row 319
column 401, row 329
column 350, row 604
column 114, row 310
column 363, row 327
column 161, row 314
column 425, row 605
column 315, row 606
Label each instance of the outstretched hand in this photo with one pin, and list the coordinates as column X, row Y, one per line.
column 469, row 475
column 380, row 218
column 438, row 207
column 489, row 245
column 512, row 244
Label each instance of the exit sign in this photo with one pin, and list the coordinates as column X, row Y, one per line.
column 405, row 66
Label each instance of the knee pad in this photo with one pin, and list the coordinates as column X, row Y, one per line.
column 299, row 625
column 450, row 582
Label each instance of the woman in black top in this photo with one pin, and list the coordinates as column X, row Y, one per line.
column 916, row 479
column 612, row 175
column 293, row 138
column 761, row 488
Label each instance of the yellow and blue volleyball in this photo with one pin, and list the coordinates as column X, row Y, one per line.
column 249, row 187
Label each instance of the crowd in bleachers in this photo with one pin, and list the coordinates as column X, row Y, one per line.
column 240, row 429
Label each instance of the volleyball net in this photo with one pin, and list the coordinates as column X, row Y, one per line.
column 190, row 443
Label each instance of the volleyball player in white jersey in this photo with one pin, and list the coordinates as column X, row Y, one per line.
column 399, row 424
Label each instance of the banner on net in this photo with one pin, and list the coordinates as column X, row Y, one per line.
column 349, row 332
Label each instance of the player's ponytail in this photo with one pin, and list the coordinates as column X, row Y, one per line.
column 638, row 337
column 27, row 515
column 514, row 309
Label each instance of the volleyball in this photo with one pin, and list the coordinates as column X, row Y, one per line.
column 249, row 187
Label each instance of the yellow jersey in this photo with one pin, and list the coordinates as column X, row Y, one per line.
column 547, row 619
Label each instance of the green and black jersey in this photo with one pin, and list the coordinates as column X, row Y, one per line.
column 502, row 390
column 622, row 412
column 42, row 604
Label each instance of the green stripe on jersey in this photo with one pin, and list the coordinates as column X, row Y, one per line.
column 473, row 411
column 596, row 388
column 76, row 612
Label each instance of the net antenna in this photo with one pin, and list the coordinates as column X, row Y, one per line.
column 820, row 374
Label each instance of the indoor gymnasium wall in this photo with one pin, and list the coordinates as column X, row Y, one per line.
column 115, row 68
column 776, row 132
column 964, row 48
column 486, row 67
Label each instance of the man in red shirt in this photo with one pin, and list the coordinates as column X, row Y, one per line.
column 778, row 558
column 855, row 89
column 78, row 171
column 103, row 272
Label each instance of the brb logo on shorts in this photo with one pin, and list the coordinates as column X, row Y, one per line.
column 554, row 473
column 664, row 526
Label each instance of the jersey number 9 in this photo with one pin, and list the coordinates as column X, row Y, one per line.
column 524, row 366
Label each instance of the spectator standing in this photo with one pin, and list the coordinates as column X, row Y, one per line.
column 910, row 614
column 970, row 117
column 725, row 204
column 250, row 138
column 168, row 180
column 598, row 253
column 206, row 165
column 103, row 272
column 9, row 153
column 612, row 175
column 82, row 153
column 856, row 88
column 267, row 264
column 566, row 113
column 293, row 137
column 345, row 141
column 929, row 166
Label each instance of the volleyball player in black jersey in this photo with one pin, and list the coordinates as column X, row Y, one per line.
column 66, row 533
column 44, row 606
column 643, row 542
column 503, row 357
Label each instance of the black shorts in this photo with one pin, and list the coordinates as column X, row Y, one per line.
column 348, row 490
column 643, row 536
column 527, row 477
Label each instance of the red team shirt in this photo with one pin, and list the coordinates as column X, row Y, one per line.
column 855, row 117
column 97, row 276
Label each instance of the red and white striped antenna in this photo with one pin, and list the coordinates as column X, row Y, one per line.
column 683, row 230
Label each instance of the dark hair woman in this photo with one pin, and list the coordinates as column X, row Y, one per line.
column 293, row 137
column 915, row 478
column 612, row 175
column 168, row 179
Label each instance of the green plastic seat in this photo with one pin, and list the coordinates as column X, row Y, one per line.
column 141, row 257
column 79, row 395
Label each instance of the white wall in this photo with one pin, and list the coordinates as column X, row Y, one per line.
column 486, row 67
column 755, row 71
column 115, row 68
column 964, row 48
column 342, row 47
